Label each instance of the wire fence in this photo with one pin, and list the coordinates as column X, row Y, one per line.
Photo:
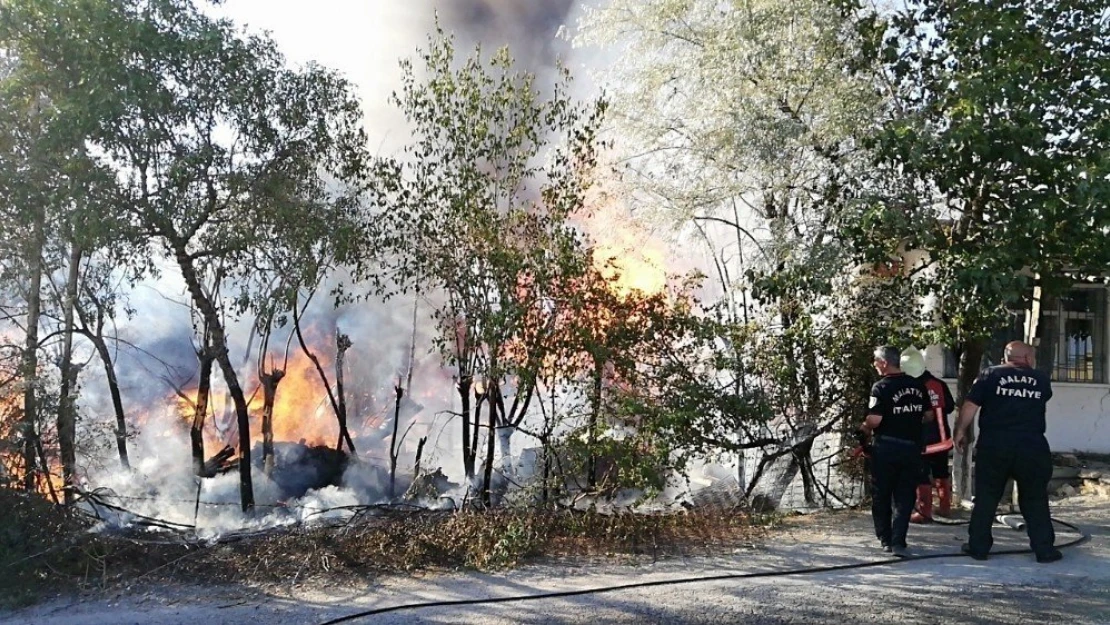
column 818, row 473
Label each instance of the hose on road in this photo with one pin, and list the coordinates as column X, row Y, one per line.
column 1081, row 538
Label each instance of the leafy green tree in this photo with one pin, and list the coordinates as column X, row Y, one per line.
column 25, row 193
column 476, row 213
column 54, row 197
column 992, row 158
column 222, row 153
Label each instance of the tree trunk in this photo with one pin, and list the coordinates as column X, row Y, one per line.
column 270, row 383
column 342, row 344
column 117, row 398
column 30, row 362
column 803, row 459
column 49, row 483
column 487, row 477
column 394, row 444
column 476, row 429
column 505, row 446
column 465, row 382
column 67, row 405
column 419, row 455
column 200, row 409
column 547, row 451
column 591, row 435
column 971, row 357
column 246, row 487
column 811, row 378
column 219, row 344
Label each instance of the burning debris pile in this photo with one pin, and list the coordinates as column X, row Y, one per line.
column 297, row 469
column 300, row 468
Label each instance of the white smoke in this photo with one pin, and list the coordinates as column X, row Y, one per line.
column 365, row 41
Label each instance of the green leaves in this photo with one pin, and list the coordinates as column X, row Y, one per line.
column 478, row 208
column 215, row 145
column 993, row 156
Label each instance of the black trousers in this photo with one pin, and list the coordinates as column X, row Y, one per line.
column 895, row 473
column 935, row 467
column 1031, row 470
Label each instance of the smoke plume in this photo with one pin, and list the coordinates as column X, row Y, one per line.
column 365, row 41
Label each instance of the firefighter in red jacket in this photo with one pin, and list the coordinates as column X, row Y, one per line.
column 937, row 437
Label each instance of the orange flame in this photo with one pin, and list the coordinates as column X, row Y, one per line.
column 48, row 483
column 625, row 252
column 302, row 410
column 629, row 269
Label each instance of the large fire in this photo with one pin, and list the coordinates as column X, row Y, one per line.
column 302, row 410
column 630, row 262
column 626, row 254
column 629, row 279
column 48, row 483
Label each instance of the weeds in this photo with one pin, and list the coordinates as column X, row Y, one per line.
column 43, row 547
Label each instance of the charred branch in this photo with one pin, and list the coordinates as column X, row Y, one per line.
column 220, row 463
column 340, row 414
column 394, row 443
column 342, row 344
column 270, row 381
column 207, row 358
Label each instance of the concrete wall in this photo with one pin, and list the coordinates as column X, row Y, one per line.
column 1079, row 418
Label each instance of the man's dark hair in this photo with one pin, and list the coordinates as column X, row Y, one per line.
column 892, row 356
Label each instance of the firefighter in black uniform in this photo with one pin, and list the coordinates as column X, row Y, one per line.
column 898, row 405
column 1012, row 397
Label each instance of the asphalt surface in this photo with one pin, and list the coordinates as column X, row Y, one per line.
column 1004, row 589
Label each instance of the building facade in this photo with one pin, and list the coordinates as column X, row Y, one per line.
column 1071, row 347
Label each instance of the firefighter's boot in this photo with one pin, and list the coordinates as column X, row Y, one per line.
column 944, row 493
column 923, row 512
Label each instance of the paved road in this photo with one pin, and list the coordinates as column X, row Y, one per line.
column 1005, row 589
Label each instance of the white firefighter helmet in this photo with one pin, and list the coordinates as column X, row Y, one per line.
column 912, row 362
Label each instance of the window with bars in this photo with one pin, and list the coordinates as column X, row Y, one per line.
column 1072, row 334
column 1071, row 338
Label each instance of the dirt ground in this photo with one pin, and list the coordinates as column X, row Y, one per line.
column 1005, row 589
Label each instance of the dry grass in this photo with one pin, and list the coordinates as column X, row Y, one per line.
column 71, row 557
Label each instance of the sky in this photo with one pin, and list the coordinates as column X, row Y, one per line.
column 366, row 39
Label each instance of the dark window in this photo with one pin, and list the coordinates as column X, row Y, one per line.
column 1071, row 338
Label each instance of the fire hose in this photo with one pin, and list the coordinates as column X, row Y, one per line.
column 862, row 450
column 1082, row 537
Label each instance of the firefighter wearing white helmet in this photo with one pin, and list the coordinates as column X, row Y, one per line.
column 899, row 404
column 937, row 437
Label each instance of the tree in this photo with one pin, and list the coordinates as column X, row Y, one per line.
column 53, row 197
column 615, row 336
column 739, row 116
column 992, row 158
column 97, row 307
column 224, row 155
column 477, row 213
column 742, row 123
